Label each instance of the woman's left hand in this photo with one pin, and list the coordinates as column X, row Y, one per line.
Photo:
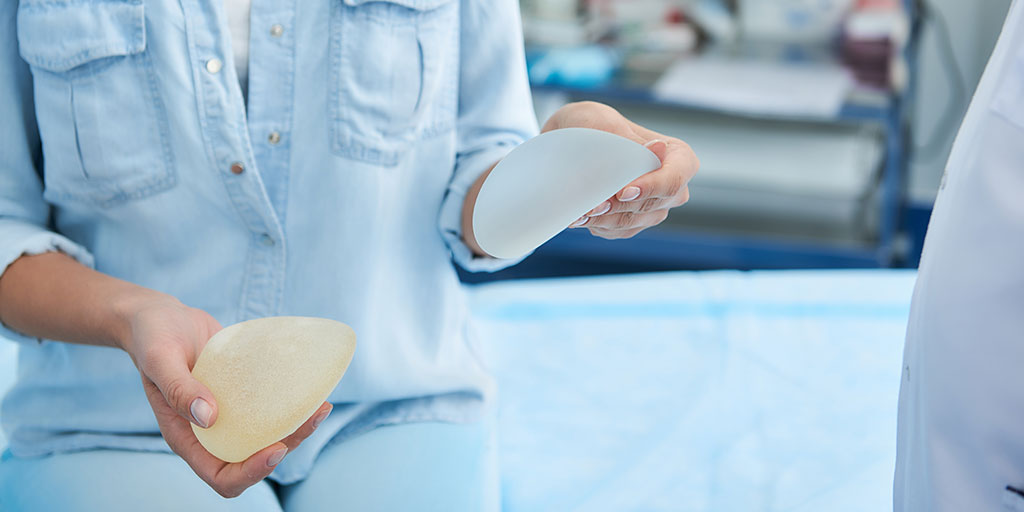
column 646, row 201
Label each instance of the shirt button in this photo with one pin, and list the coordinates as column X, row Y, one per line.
column 237, row 168
column 213, row 65
column 276, row 30
column 274, row 138
column 266, row 240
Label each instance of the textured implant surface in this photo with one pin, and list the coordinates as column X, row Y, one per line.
column 268, row 376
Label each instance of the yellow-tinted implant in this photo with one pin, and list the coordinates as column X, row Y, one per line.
column 268, row 377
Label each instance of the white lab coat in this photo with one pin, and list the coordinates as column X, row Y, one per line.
column 961, row 417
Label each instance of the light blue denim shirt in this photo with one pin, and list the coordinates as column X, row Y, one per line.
column 127, row 146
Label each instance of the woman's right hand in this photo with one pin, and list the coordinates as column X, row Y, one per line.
column 164, row 338
column 54, row 297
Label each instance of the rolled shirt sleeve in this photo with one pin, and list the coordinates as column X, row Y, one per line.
column 495, row 112
column 24, row 214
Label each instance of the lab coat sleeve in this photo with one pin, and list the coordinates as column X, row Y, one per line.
column 495, row 111
column 24, row 214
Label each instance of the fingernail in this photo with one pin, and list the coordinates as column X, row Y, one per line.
column 629, row 193
column 320, row 419
column 600, row 210
column 652, row 143
column 201, row 412
column 579, row 222
column 277, row 457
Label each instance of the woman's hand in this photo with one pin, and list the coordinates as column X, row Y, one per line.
column 646, row 201
column 164, row 339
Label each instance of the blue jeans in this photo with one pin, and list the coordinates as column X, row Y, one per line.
column 413, row 466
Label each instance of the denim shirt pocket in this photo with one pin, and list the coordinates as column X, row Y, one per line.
column 101, row 119
column 393, row 76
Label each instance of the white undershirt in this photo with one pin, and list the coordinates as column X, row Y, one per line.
column 238, row 24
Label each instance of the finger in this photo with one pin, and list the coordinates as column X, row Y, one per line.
column 179, row 436
column 161, row 409
column 614, row 234
column 232, row 479
column 212, row 327
column 240, row 476
column 600, row 209
column 634, row 191
column 187, row 396
column 196, row 452
column 229, row 480
column 308, row 427
column 627, row 220
column 614, row 205
column 659, row 148
column 662, row 183
column 631, row 192
column 580, row 222
column 678, row 168
column 647, row 205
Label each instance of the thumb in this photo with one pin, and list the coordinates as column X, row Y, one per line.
column 658, row 147
column 187, row 396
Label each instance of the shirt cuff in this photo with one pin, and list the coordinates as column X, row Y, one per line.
column 19, row 239
column 467, row 170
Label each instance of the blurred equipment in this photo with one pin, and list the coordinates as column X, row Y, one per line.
column 554, row 10
column 756, row 87
column 828, row 191
column 807, row 21
column 716, row 19
column 584, row 44
column 555, row 23
column 575, row 66
column 873, row 37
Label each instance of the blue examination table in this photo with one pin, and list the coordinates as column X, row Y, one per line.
column 715, row 391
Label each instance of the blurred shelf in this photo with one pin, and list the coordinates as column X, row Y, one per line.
column 662, row 248
column 576, row 253
column 872, row 107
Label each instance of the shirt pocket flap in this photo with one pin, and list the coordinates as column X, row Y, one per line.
column 59, row 37
column 419, row 5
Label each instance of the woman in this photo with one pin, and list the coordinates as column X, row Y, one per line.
column 164, row 175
